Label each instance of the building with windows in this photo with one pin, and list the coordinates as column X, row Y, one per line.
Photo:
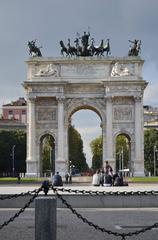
column 16, row 110
column 150, row 117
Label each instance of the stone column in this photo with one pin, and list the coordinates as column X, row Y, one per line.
column 109, row 138
column 139, row 157
column 60, row 163
column 31, row 161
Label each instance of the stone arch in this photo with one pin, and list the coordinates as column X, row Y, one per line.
column 129, row 137
column 88, row 104
column 79, row 104
column 52, row 152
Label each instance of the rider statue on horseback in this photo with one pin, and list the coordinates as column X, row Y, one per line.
column 34, row 51
column 135, row 48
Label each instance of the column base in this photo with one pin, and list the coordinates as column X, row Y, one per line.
column 60, row 166
column 32, row 168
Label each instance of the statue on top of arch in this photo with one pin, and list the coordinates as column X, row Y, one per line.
column 85, row 46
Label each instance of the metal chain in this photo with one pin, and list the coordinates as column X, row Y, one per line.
column 18, row 195
column 123, row 235
column 90, row 192
column 22, row 209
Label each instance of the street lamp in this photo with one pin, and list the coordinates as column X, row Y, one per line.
column 122, row 157
column 13, row 163
column 155, row 151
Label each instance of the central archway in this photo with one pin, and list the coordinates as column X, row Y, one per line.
column 86, row 105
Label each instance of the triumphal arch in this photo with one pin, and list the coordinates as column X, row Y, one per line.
column 57, row 87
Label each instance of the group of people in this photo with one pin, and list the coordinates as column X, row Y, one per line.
column 105, row 177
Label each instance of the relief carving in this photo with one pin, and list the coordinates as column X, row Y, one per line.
column 122, row 113
column 119, row 70
column 47, row 114
column 47, row 71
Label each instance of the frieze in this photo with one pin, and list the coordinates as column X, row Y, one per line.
column 85, row 70
column 123, row 100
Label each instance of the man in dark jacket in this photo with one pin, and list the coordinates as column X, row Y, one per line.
column 57, row 180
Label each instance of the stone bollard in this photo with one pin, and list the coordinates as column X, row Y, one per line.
column 45, row 218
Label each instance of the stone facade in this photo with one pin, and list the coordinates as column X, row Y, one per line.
column 58, row 87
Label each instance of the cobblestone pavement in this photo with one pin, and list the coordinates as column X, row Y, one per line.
column 72, row 228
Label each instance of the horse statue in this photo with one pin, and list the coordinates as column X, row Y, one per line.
column 63, row 49
column 34, row 51
column 106, row 48
column 135, row 49
column 71, row 50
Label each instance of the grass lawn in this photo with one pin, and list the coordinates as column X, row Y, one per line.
column 143, row 179
column 23, row 180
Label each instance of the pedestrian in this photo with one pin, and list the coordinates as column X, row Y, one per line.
column 102, row 177
column 57, row 180
column 66, row 177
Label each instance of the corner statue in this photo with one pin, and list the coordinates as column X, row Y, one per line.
column 135, row 48
column 84, row 47
column 34, row 51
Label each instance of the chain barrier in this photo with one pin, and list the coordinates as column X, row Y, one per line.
column 36, row 192
column 104, row 230
column 29, row 193
column 117, row 193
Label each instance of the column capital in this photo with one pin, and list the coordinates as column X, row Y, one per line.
column 108, row 98
column 32, row 99
column 60, row 99
column 138, row 98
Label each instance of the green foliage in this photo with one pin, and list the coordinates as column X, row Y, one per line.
column 122, row 144
column 150, row 140
column 7, row 140
column 76, row 154
column 96, row 148
column 47, row 147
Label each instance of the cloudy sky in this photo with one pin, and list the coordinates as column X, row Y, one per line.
column 50, row 21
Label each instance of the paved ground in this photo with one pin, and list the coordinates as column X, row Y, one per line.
column 69, row 227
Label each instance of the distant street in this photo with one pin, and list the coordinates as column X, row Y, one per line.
column 69, row 227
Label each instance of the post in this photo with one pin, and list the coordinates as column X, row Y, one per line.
column 45, row 218
column 155, row 150
column 122, row 158
column 13, row 163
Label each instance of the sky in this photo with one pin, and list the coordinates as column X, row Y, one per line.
column 50, row 21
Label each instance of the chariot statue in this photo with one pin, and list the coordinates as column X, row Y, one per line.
column 85, row 46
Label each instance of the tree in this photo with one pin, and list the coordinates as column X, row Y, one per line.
column 150, row 140
column 122, row 147
column 7, row 140
column 76, row 154
column 96, row 148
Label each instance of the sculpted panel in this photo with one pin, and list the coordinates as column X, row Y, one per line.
column 46, row 114
column 47, row 71
column 120, row 70
column 121, row 113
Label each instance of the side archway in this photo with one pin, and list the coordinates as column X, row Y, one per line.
column 47, row 154
column 122, row 151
